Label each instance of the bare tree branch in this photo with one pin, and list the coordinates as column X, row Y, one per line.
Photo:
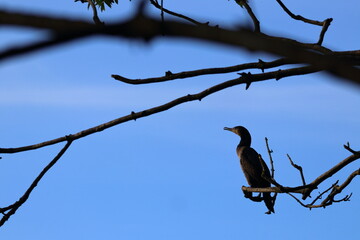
column 325, row 27
column 299, row 168
column 270, row 157
column 156, row 4
column 39, row 45
column 190, row 97
column 95, row 15
column 305, row 190
column 321, row 194
column 347, row 147
column 330, row 172
column 11, row 210
column 147, row 28
column 299, row 17
column 253, row 17
column 325, row 24
column 181, row 75
column 312, row 57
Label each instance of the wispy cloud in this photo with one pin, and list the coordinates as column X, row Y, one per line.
column 290, row 99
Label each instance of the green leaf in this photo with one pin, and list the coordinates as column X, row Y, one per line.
column 100, row 3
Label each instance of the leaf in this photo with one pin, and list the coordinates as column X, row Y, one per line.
column 100, row 3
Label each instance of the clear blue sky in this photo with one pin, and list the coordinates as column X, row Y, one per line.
column 174, row 175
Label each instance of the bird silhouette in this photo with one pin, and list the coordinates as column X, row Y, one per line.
column 251, row 165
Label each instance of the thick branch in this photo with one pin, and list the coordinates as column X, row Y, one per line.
column 330, row 173
column 53, row 41
column 298, row 189
column 147, row 28
column 335, row 190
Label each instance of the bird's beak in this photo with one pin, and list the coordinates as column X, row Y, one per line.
column 229, row 129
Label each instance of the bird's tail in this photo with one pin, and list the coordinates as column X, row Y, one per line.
column 269, row 202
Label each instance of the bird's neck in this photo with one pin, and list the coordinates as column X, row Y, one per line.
column 245, row 141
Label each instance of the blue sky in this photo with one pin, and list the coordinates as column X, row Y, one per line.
column 174, row 175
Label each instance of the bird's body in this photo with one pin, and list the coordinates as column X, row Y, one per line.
column 251, row 164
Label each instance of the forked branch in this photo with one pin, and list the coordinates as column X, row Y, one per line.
column 8, row 211
column 325, row 24
column 306, row 189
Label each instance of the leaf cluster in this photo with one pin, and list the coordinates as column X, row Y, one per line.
column 100, row 3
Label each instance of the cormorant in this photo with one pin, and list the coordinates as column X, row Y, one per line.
column 251, row 165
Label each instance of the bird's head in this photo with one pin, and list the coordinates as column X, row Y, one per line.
column 243, row 133
column 239, row 130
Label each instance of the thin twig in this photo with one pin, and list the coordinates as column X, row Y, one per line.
column 9, row 211
column 321, row 194
column 253, row 17
column 347, row 147
column 269, row 179
column 298, row 200
column 270, row 151
column 156, row 4
column 338, row 189
column 325, row 27
column 162, row 11
column 298, row 17
column 299, row 168
column 344, row 199
column 95, row 15
column 325, row 24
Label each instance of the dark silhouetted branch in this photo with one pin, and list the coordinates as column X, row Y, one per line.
column 252, row 16
column 39, row 45
column 330, row 173
column 220, row 70
column 299, row 17
column 325, row 27
column 325, row 24
column 95, row 15
column 306, row 189
column 299, row 168
column 270, row 157
column 10, row 210
column 190, row 97
column 147, row 28
column 156, row 4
